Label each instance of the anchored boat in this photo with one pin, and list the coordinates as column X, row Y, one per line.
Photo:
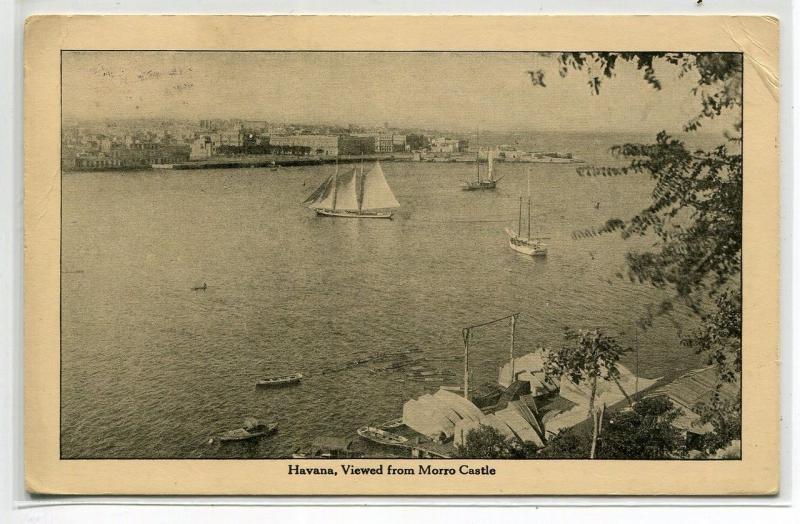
column 252, row 429
column 276, row 382
column 483, row 183
column 381, row 437
column 354, row 195
column 328, row 448
column 532, row 246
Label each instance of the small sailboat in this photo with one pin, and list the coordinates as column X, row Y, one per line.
column 354, row 195
column 532, row 246
column 483, row 183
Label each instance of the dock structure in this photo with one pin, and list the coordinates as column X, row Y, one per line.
column 689, row 392
column 280, row 161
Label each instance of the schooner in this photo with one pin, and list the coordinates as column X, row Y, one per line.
column 354, row 195
column 483, row 183
column 529, row 245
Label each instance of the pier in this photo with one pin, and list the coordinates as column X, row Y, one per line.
column 282, row 161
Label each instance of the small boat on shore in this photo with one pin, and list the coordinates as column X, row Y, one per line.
column 328, row 448
column 252, row 429
column 277, row 382
column 392, row 424
column 380, row 436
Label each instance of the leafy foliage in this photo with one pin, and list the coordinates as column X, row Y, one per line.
column 566, row 444
column 719, row 84
column 586, row 355
column 486, row 442
column 695, row 211
column 644, row 432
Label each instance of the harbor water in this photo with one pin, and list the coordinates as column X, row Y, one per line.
column 151, row 368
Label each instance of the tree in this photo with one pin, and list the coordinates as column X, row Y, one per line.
column 486, row 442
column 644, row 432
column 566, row 444
column 587, row 356
column 696, row 208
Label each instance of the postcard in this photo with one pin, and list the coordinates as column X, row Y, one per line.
column 420, row 255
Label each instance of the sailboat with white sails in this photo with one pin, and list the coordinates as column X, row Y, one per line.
column 532, row 246
column 354, row 195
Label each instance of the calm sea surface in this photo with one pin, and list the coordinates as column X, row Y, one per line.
column 151, row 368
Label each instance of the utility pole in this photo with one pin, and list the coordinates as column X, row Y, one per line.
column 465, row 334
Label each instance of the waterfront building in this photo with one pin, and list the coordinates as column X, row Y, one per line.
column 330, row 145
column 356, row 145
column 448, row 145
column 384, row 143
column 416, row 142
column 398, row 143
column 201, row 148
column 317, row 144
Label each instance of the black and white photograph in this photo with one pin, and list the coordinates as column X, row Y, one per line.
column 401, row 254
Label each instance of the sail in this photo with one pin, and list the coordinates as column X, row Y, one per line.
column 324, row 199
column 319, row 192
column 491, row 165
column 376, row 193
column 346, row 196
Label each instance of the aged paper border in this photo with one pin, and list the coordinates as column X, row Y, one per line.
column 756, row 37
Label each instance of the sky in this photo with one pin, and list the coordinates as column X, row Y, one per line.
column 433, row 90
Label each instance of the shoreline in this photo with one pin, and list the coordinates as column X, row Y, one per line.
column 277, row 162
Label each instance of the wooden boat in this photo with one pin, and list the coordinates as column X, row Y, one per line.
column 252, row 429
column 380, row 436
column 276, row 382
column 354, row 195
column 392, row 424
column 328, row 448
column 531, row 246
column 482, row 183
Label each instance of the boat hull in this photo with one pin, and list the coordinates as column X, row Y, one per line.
column 354, row 214
column 381, row 437
column 280, row 381
column 242, row 434
column 478, row 186
column 528, row 249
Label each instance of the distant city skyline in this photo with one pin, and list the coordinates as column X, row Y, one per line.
column 426, row 90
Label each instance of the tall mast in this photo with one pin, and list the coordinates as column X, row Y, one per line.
column 360, row 185
column 513, row 329
column 529, row 218
column 478, row 153
column 519, row 222
column 335, row 182
column 529, row 204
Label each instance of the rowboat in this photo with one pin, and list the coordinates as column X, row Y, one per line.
column 276, row 382
column 394, row 423
column 328, row 448
column 380, row 436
